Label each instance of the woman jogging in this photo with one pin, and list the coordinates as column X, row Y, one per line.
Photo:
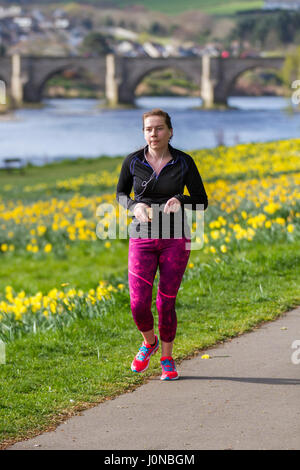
column 158, row 233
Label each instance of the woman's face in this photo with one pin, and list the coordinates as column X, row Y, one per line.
column 156, row 132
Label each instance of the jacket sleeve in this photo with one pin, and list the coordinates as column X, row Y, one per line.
column 124, row 186
column 194, row 184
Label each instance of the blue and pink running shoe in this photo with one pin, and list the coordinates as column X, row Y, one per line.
column 169, row 371
column 141, row 361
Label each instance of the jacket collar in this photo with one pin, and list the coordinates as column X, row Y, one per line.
column 172, row 151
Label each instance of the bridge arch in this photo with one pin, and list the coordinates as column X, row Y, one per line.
column 142, row 68
column 3, row 91
column 171, row 82
column 235, row 78
column 3, row 79
column 6, row 72
column 79, row 71
column 232, row 69
column 43, row 69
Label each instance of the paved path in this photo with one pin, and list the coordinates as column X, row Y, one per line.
column 246, row 397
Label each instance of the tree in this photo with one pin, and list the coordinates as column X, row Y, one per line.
column 109, row 21
column 95, row 44
column 87, row 23
column 284, row 27
column 157, row 29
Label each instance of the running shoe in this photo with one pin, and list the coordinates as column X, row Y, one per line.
column 141, row 361
column 169, row 371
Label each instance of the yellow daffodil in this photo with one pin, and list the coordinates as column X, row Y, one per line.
column 205, row 356
column 48, row 248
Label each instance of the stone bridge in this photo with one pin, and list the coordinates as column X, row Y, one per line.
column 25, row 76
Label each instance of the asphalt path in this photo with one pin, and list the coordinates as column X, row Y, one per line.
column 246, row 396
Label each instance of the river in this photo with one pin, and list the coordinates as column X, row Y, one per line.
column 71, row 128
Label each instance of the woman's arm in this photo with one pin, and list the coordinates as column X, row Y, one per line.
column 124, row 186
column 194, row 184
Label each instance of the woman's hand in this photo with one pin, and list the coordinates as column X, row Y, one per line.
column 172, row 205
column 140, row 212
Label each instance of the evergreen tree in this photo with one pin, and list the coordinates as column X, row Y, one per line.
column 95, row 44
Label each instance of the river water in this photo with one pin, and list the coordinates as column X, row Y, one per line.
column 71, row 128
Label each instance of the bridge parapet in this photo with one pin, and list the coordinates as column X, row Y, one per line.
column 26, row 76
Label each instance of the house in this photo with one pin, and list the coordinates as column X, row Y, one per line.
column 171, row 50
column 153, row 50
column 24, row 22
column 281, row 5
column 45, row 25
column 61, row 23
column 118, row 32
column 10, row 12
column 58, row 13
column 125, row 48
column 37, row 15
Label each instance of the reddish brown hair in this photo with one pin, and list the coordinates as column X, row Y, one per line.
column 158, row 112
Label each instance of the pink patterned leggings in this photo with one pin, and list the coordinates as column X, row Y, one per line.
column 144, row 256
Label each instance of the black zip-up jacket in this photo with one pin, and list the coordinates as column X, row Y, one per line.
column 151, row 189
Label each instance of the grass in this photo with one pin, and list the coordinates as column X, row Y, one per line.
column 49, row 376
column 48, row 271
column 52, row 172
column 176, row 6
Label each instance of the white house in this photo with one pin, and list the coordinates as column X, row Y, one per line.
column 24, row 22
column 281, row 5
column 118, row 32
column 151, row 50
column 61, row 23
column 14, row 10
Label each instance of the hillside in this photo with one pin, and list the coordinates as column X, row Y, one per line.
column 213, row 7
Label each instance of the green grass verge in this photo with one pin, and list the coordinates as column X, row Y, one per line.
column 82, row 266
column 49, row 174
column 50, row 376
